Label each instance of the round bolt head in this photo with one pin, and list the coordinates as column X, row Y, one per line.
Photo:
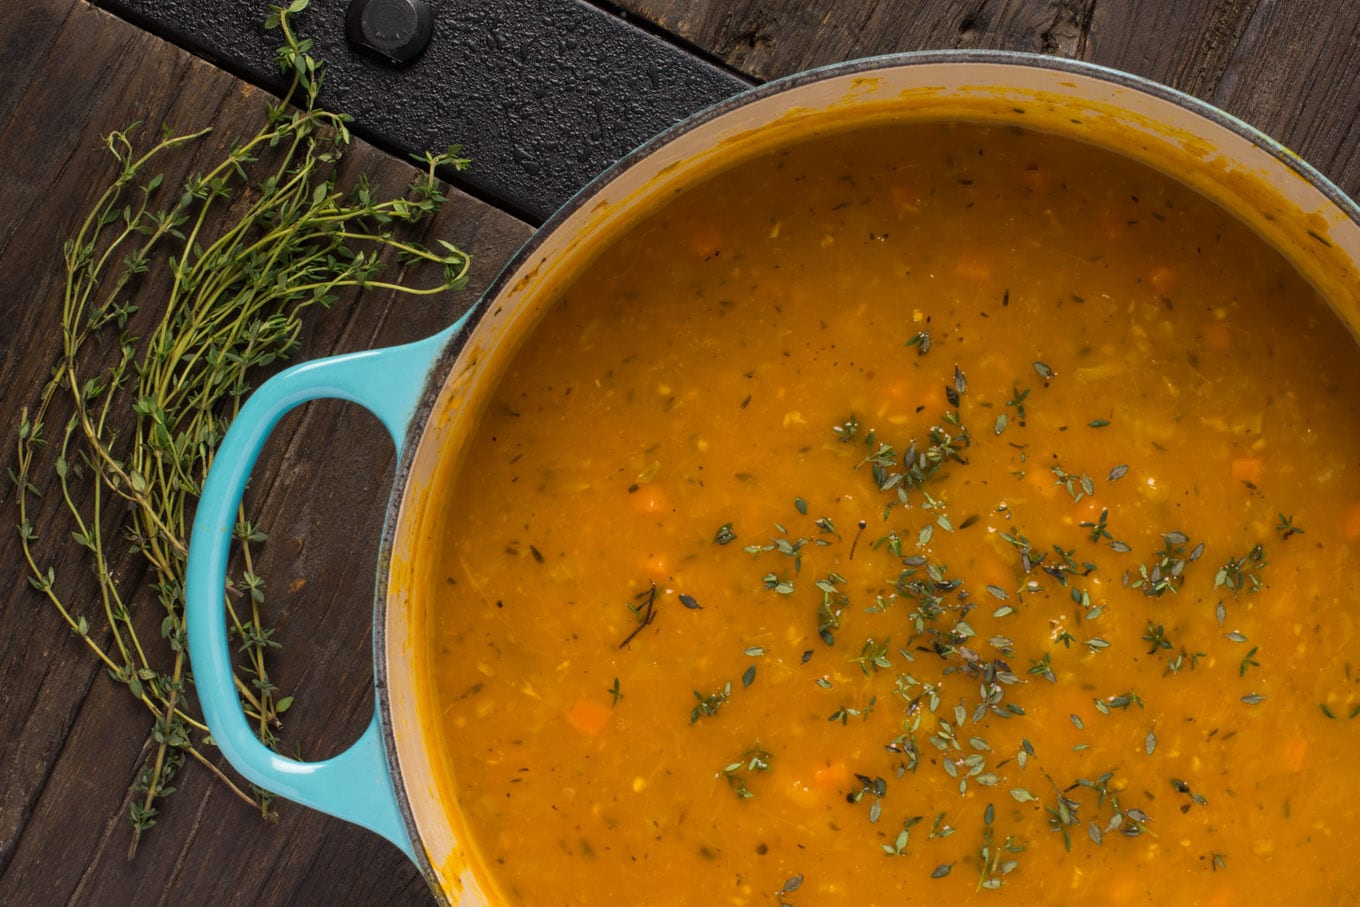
column 398, row 31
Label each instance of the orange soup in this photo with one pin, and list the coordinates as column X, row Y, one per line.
column 929, row 514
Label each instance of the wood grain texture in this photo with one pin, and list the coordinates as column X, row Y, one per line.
column 70, row 740
column 1291, row 69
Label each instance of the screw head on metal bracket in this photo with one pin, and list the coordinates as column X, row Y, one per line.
column 398, row 31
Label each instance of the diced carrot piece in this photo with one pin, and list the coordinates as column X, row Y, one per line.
column 1247, row 469
column 588, row 716
column 904, row 198
column 1112, row 225
column 1041, row 480
column 705, row 241
column 1163, row 279
column 650, row 498
column 974, row 269
column 1037, row 179
column 812, row 786
column 1123, row 888
column 992, row 569
column 1217, row 335
column 1350, row 523
column 833, row 778
column 1225, row 896
column 931, row 398
column 656, row 567
column 898, row 390
column 1293, row 753
column 1087, row 510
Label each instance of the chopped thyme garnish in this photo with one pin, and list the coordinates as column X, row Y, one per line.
column 898, row 848
column 643, row 607
column 724, row 535
column 848, row 429
column 1017, row 400
column 1098, row 530
column 708, row 705
column 873, row 656
column 996, row 861
column 1156, row 637
column 876, row 786
column 1171, row 562
column 949, row 621
column 845, row 713
column 1242, row 572
column 1077, row 486
column 753, row 760
column 1285, row 527
column 833, row 605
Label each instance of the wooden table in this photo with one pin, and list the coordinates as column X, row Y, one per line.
column 71, row 741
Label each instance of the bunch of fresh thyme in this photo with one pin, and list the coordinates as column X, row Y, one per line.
column 247, row 248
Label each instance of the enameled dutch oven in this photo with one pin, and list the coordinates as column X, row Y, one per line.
column 428, row 393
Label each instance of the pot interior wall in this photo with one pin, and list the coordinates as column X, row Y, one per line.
column 1254, row 179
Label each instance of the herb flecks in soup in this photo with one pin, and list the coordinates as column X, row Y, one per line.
column 927, row 514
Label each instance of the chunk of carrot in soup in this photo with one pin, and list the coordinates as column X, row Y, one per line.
column 1294, row 753
column 833, row 778
column 656, row 567
column 1038, row 180
column 650, row 499
column 706, row 241
column 905, row 199
column 1112, row 224
column 1123, row 889
column 1164, row 279
column 815, row 787
column 931, row 398
column 1040, row 482
column 588, row 717
column 1087, row 510
column 973, row 268
column 1247, row 469
column 1218, row 335
column 1223, row 896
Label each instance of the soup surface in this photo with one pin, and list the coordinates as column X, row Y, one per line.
column 933, row 514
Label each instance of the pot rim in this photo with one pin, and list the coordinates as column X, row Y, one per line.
column 446, row 359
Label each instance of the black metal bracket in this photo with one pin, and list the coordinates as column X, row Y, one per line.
column 541, row 94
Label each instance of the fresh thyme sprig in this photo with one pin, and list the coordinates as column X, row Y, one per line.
column 247, row 246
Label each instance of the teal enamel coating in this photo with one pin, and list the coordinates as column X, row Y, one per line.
column 357, row 785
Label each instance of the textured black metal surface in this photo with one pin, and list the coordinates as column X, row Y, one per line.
column 541, row 94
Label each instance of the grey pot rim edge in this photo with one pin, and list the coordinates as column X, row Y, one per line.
column 443, row 365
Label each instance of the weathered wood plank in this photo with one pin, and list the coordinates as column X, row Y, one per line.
column 770, row 38
column 1292, row 70
column 71, row 741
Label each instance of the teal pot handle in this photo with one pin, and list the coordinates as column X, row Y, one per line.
column 357, row 785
